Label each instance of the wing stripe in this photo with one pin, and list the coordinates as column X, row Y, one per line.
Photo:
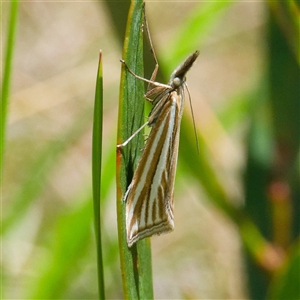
column 161, row 166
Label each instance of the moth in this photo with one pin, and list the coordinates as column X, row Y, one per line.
column 149, row 197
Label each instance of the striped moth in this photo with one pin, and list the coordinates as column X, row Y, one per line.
column 149, row 197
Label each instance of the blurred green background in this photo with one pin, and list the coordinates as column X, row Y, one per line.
column 245, row 94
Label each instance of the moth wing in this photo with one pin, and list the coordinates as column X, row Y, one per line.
column 149, row 207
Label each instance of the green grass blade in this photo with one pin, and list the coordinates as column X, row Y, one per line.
column 7, row 77
column 96, row 172
column 136, row 261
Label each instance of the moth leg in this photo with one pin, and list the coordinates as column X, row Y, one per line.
column 154, row 73
column 131, row 137
column 144, row 79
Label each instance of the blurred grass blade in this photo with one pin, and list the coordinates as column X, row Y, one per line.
column 286, row 14
column 285, row 92
column 59, row 268
column 192, row 33
column 284, row 103
column 285, row 284
column 199, row 166
column 242, row 104
column 56, row 271
column 39, row 170
column 136, row 261
column 273, row 146
column 96, row 172
column 118, row 12
column 7, row 77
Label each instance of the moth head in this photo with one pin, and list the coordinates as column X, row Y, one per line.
column 177, row 81
column 178, row 76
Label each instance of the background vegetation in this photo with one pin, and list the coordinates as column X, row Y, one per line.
column 237, row 203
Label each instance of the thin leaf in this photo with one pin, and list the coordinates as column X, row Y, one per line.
column 136, row 261
column 96, row 167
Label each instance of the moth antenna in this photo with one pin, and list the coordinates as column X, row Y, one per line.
column 193, row 118
column 149, row 37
